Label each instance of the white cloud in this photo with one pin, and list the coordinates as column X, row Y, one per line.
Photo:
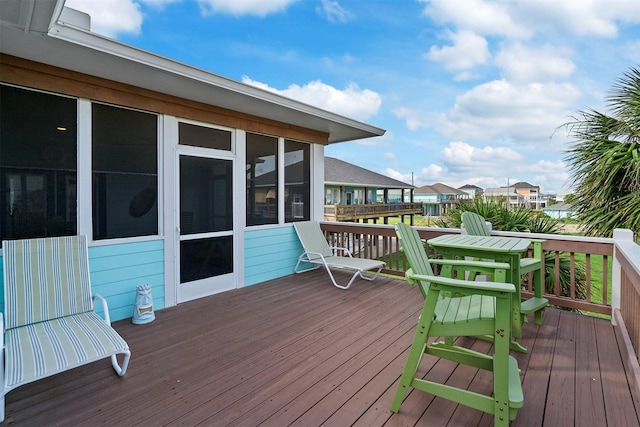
column 478, row 16
column 576, row 17
column 414, row 119
column 490, row 166
column 392, row 173
column 523, row 19
column 550, row 176
column 350, row 102
column 159, row 4
column 333, row 12
column 111, row 17
column 462, row 153
column 500, row 109
column 467, row 51
column 523, row 63
column 463, row 157
column 243, row 7
column 389, row 155
column 432, row 173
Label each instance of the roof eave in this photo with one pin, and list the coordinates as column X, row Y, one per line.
column 76, row 49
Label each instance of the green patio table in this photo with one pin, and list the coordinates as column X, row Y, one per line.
column 499, row 249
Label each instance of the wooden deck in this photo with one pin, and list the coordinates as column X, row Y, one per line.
column 297, row 351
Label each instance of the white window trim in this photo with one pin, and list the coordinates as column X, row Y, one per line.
column 85, row 175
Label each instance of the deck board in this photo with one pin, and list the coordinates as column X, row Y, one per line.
column 297, row 351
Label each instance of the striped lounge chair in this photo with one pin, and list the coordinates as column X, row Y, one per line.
column 50, row 322
column 318, row 253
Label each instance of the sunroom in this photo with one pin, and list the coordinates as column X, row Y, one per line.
column 183, row 179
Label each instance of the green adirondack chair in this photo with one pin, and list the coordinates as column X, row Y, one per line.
column 483, row 309
column 476, row 225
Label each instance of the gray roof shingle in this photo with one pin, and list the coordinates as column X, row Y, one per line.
column 339, row 172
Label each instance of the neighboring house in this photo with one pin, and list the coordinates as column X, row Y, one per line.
column 560, row 210
column 507, row 193
column 346, row 184
column 520, row 194
column 563, row 194
column 182, row 179
column 532, row 197
column 438, row 199
column 472, row 190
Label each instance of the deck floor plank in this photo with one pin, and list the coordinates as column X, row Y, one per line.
column 298, row 351
column 588, row 380
column 618, row 402
column 536, row 372
column 562, row 380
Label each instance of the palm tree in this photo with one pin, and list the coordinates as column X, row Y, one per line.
column 605, row 161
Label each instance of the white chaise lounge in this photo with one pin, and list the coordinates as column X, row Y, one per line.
column 318, row 252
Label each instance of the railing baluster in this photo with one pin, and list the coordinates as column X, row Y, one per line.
column 605, row 286
column 572, row 274
column 556, row 287
column 588, row 279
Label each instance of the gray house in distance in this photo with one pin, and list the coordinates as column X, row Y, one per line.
column 438, row 198
column 354, row 193
column 472, row 190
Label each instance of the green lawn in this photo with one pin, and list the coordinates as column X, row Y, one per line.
column 596, row 276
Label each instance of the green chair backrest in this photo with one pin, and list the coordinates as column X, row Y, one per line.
column 475, row 224
column 415, row 252
column 45, row 279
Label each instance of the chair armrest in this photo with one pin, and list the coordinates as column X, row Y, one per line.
column 317, row 255
column 497, row 270
column 472, row 265
column 465, row 286
column 345, row 250
column 105, row 308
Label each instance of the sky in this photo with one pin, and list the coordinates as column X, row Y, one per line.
column 468, row 91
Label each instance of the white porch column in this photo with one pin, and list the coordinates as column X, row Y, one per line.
column 619, row 234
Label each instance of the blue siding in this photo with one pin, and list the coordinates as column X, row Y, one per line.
column 116, row 270
column 270, row 253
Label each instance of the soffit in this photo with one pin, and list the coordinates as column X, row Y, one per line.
column 23, row 33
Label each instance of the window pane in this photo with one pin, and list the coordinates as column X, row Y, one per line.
column 205, row 137
column 38, row 160
column 206, row 202
column 262, row 179
column 202, row 258
column 297, row 181
column 125, row 172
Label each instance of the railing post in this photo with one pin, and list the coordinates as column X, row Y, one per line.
column 616, row 270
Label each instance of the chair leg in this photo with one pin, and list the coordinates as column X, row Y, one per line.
column 502, row 406
column 538, row 284
column 370, row 277
column 415, row 355
column 301, row 260
column 121, row 370
column 409, row 372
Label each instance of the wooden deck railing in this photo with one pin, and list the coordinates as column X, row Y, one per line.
column 380, row 242
column 626, row 298
column 375, row 210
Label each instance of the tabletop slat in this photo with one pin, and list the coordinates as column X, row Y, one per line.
column 483, row 243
